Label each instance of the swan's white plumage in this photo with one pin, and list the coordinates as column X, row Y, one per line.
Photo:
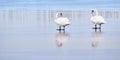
column 62, row 21
column 98, row 20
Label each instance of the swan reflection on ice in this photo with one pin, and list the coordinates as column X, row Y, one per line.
column 97, row 37
column 62, row 37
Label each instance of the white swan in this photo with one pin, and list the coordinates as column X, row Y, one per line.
column 61, row 21
column 97, row 19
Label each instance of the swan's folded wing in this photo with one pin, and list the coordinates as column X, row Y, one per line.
column 62, row 21
column 98, row 19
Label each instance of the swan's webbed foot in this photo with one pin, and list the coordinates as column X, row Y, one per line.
column 94, row 28
column 60, row 29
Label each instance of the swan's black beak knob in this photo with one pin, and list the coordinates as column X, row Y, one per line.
column 92, row 11
column 61, row 14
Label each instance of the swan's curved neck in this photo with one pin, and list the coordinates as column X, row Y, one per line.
column 58, row 15
column 96, row 12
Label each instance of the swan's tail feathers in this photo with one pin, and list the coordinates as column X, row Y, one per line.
column 103, row 22
column 69, row 23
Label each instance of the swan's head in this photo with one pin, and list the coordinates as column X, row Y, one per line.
column 59, row 14
column 94, row 11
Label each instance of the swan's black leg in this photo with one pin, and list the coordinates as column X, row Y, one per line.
column 59, row 28
column 99, row 26
column 95, row 26
column 63, row 27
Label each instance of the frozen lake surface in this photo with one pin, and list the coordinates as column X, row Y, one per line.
column 30, row 34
